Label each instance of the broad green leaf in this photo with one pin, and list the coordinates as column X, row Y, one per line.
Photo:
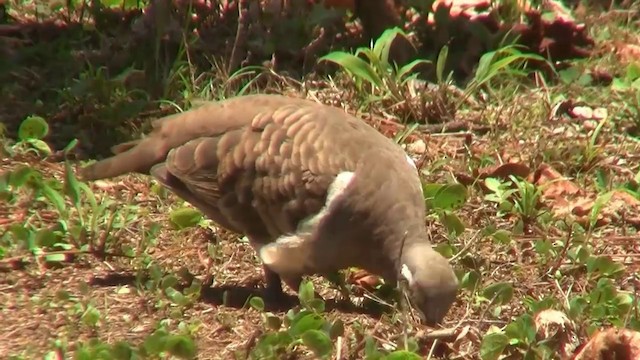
column 33, row 127
column 272, row 322
column 155, row 343
column 181, row 346
column 70, row 146
column 185, row 217
column 55, row 258
column 371, row 351
column 71, row 185
column 356, row 66
column 470, row 280
column 501, row 293
column 305, row 323
column 383, row 44
column 493, row 345
column 91, row 316
column 18, row 178
column 452, row 222
column 404, row 71
column 55, row 198
column 441, row 62
column 122, row 350
column 46, row 238
column 306, row 292
column 449, row 197
column 336, row 329
column 502, row 236
column 523, row 329
column 257, row 303
column 318, row 342
column 41, row 146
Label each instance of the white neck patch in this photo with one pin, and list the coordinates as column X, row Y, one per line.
column 407, row 273
column 336, row 189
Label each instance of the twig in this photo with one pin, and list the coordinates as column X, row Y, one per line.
column 240, row 44
column 13, row 263
column 440, row 334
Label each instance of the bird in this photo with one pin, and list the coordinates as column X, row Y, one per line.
column 314, row 189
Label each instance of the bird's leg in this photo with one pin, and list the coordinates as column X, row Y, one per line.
column 337, row 279
column 273, row 285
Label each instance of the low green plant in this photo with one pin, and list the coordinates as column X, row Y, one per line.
column 373, row 72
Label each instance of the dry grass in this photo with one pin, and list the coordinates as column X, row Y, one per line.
column 42, row 305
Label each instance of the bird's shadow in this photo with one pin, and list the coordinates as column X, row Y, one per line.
column 237, row 296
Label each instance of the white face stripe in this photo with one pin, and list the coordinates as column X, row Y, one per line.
column 411, row 162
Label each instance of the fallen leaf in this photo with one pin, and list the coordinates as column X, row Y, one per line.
column 628, row 53
column 557, row 330
column 505, row 170
column 553, row 183
column 612, row 343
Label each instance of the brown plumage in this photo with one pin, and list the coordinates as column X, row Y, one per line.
column 314, row 189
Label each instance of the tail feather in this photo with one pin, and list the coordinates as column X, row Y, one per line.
column 135, row 156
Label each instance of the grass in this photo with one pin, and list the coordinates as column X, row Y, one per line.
column 124, row 269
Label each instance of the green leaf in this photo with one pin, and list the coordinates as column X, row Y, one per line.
column 470, row 280
column 70, row 146
column 55, row 258
column 91, row 316
column 318, row 342
column 337, row 329
column 305, row 323
column 354, row 65
column 501, row 292
column 41, row 146
column 383, row 44
column 306, row 292
column 176, row 296
column 33, row 127
column 502, row 236
column 441, row 62
column 181, row 346
column 493, row 345
column 257, row 303
column 371, row 351
column 452, row 222
column 402, row 355
column 449, row 197
column 272, row 322
column 122, row 351
column 155, row 343
column 55, row 198
column 404, row 71
column 71, row 185
column 185, row 217
column 18, row 178
column 46, row 238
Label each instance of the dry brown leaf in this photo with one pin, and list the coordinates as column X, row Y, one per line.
column 504, row 171
column 628, row 53
column 612, row 343
column 364, row 279
column 555, row 327
column 555, row 185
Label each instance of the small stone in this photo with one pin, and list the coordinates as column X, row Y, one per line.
column 600, row 113
column 417, row 147
column 581, row 112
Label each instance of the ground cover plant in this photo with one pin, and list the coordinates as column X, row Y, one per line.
column 528, row 159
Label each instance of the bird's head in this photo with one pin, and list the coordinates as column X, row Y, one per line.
column 432, row 283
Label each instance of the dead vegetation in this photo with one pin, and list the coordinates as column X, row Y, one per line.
column 547, row 156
